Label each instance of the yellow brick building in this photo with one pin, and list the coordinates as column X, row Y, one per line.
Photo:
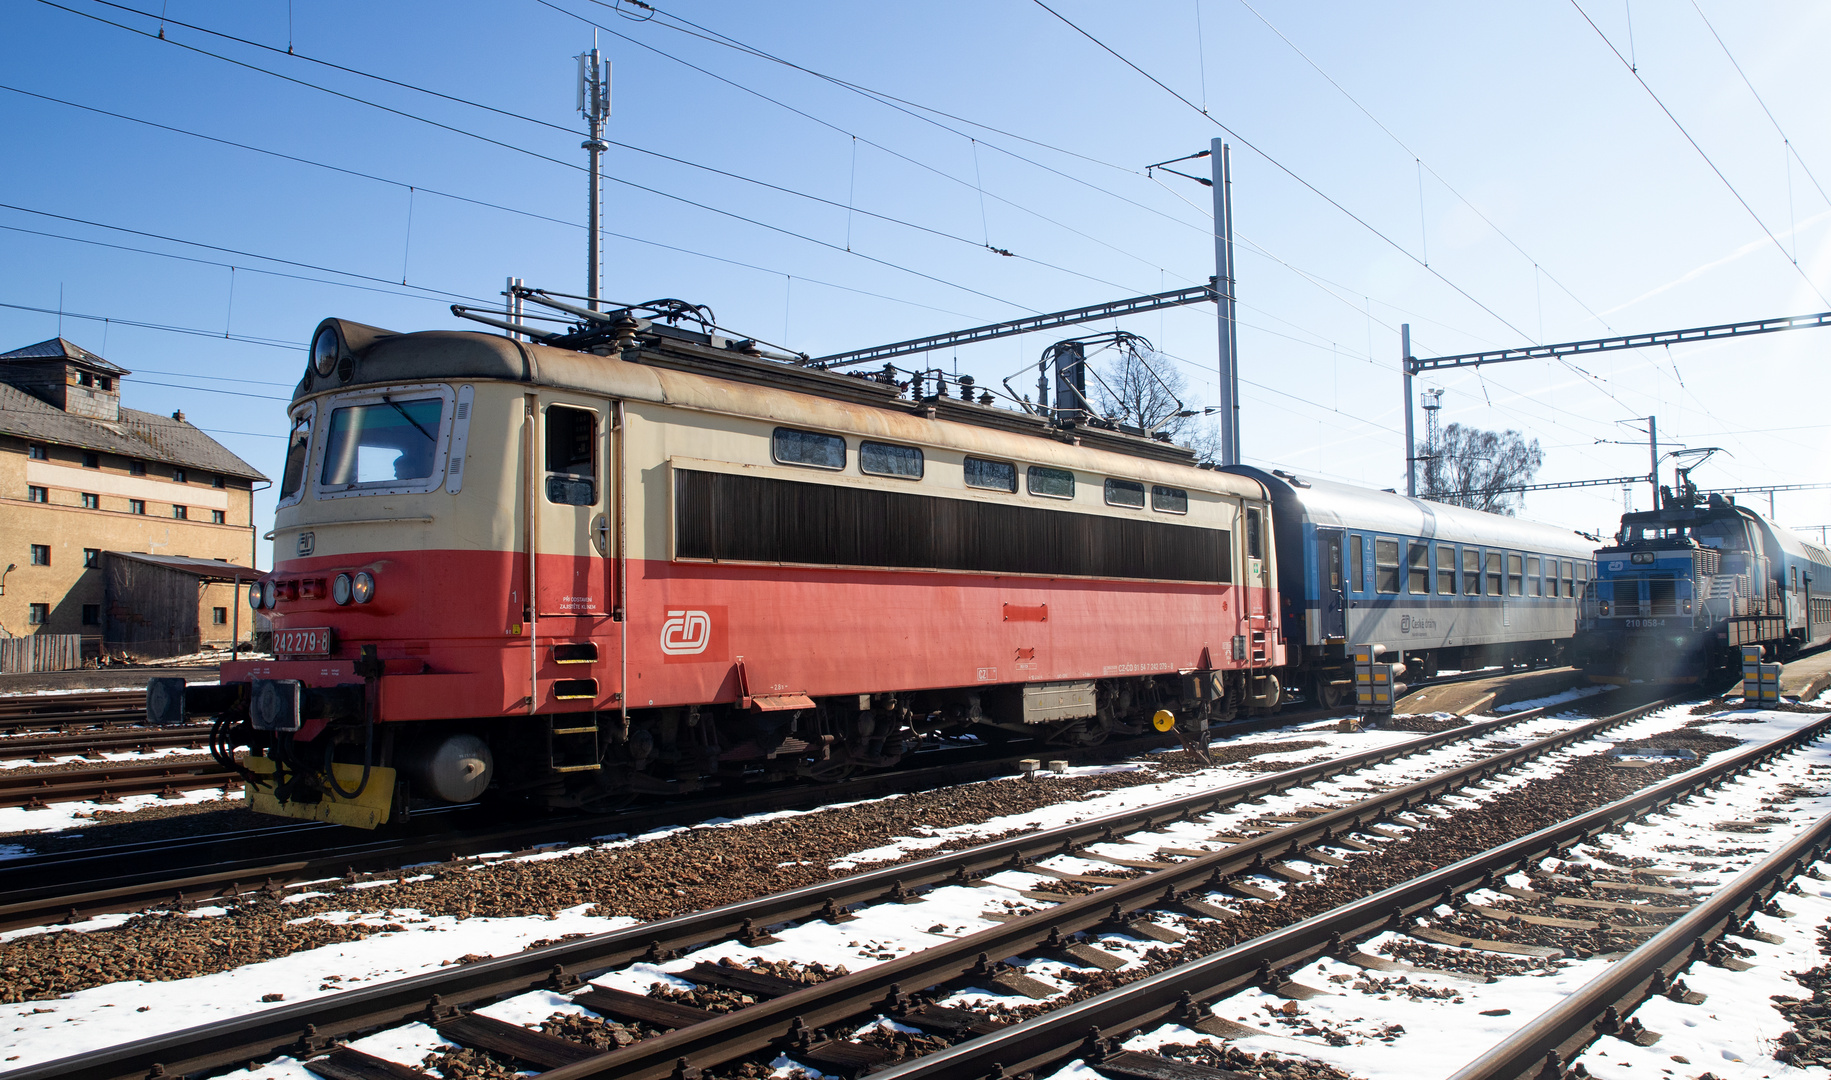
column 80, row 477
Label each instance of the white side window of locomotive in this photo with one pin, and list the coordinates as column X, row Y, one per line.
column 572, row 456
column 1169, row 500
column 813, row 448
column 298, row 450
column 1125, row 493
column 991, row 475
column 1385, row 565
column 1051, row 483
column 382, row 443
column 1255, row 538
column 888, row 459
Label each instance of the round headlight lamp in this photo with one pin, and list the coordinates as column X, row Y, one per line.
column 340, row 589
column 256, row 593
column 270, row 594
column 327, row 350
column 363, row 588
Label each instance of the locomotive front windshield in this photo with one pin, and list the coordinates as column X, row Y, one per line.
column 1723, row 534
column 382, row 443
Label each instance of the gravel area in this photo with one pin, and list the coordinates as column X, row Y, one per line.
column 1809, row 1041
column 688, row 870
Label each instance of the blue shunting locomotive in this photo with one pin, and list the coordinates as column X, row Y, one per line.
column 1441, row 586
column 1686, row 585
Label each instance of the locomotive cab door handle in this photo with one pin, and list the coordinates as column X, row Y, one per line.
column 600, row 534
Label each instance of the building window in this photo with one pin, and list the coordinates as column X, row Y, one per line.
column 219, row 616
column 91, row 460
column 219, row 517
column 888, row 459
column 809, row 448
column 40, row 614
column 136, row 506
column 41, row 554
column 1386, row 565
column 1125, row 493
column 179, row 477
column 991, row 475
column 91, row 501
column 181, row 513
column 1419, row 558
column 217, row 481
column 36, row 452
column 104, row 382
column 92, row 614
column 37, row 494
column 136, row 468
column 92, row 558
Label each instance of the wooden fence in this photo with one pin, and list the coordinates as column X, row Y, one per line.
column 41, row 652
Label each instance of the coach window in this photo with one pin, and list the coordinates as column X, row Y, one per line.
column 1513, row 574
column 1494, row 579
column 991, row 475
column 572, row 456
column 1446, row 570
column 1385, row 565
column 1169, row 500
column 811, row 448
column 1532, row 576
column 1570, row 578
column 886, row 459
column 1050, row 483
column 1419, row 558
column 1255, row 533
column 1357, row 565
column 1125, row 493
column 1471, row 571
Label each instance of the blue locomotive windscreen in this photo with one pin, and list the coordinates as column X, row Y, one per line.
column 761, row 519
column 380, row 443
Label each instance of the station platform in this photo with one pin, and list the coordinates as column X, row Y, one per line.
column 1806, row 677
column 1476, row 695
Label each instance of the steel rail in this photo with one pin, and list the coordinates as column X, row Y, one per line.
column 1557, row 1036
column 16, row 747
column 39, row 788
column 309, row 1027
column 1172, row 996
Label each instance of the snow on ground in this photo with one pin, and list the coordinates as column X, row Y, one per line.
column 133, row 756
column 63, row 817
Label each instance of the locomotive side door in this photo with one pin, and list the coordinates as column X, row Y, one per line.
column 1334, row 626
column 570, row 496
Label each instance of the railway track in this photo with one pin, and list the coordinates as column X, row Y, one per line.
column 39, row 711
column 37, row 789
column 361, row 1010
column 46, row 748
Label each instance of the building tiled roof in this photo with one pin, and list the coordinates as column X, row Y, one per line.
column 144, row 435
column 59, row 349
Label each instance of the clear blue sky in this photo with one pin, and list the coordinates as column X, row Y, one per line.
column 1508, row 145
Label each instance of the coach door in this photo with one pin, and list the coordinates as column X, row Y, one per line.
column 1334, row 601
column 571, row 507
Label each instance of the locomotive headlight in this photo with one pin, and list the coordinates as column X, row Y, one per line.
column 363, row 588
column 270, row 594
column 1604, row 607
column 340, row 589
column 1642, row 557
column 255, row 593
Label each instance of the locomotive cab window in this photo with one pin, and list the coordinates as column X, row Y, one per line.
column 1169, row 500
column 1386, row 565
column 1471, row 572
column 991, row 475
column 1446, row 570
column 1050, row 483
column 1125, row 493
column 384, row 443
column 811, row 448
column 887, row 459
column 298, row 453
column 1418, row 560
column 1255, row 533
column 572, row 456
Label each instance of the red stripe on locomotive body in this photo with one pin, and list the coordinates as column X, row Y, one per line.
column 443, row 622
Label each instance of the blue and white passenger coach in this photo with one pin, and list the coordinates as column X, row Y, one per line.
column 1440, row 585
column 1685, row 586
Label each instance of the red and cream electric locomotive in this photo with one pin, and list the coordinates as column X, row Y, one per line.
column 637, row 558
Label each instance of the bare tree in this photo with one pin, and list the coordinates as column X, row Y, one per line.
column 1476, row 469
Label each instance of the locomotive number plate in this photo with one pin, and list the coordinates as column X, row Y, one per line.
column 306, row 641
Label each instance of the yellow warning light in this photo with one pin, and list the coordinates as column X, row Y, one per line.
column 1164, row 720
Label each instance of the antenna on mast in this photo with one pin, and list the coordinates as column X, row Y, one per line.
column 594, row 105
